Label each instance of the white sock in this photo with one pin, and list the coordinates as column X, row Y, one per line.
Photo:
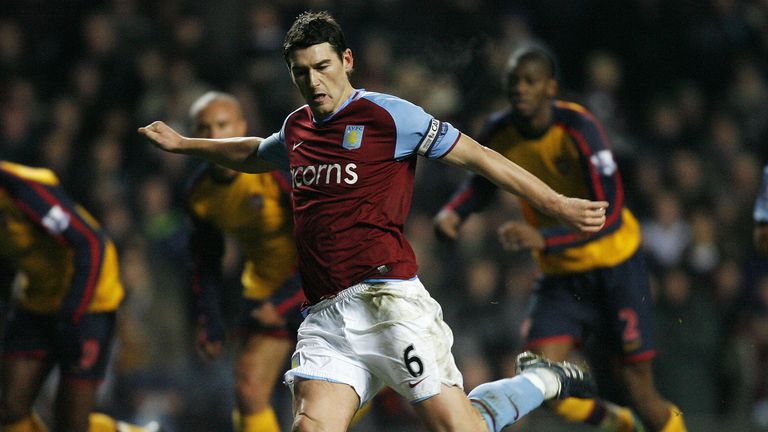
column 544, row 379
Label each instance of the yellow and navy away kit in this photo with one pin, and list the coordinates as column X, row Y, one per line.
column 573, row 157
column 66, row 264
column 255, row 210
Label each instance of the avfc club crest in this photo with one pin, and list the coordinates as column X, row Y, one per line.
column 353, row 137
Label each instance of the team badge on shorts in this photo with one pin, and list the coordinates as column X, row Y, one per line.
column 353, row 137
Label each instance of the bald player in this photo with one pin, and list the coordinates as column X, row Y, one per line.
column 254, row 211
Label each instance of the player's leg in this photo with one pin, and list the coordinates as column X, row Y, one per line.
column 21, row 381
column 74, row 401
column 83, row 354
column 260, row 361
column 629, row 298
column 656, row 412
column 320, row 405
column 26, row 363
column 450, row 410
column 328, row 381
column 405, row 340
column 505, row 401
column 562, row 305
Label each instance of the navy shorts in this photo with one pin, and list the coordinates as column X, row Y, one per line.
column 81, row 352
column 613, row 304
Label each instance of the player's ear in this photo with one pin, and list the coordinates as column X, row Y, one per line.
column 552, row 88
column 348, row 60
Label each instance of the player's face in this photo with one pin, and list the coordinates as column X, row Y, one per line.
column 221, row 119
column 321, row 77
column 530, row 89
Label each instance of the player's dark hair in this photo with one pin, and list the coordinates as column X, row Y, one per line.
column 533, row 52
column 312, row 28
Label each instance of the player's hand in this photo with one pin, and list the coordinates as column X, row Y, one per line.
column 583, row 215
column 446, row 224
column 268, row 315
column 209, row 339
column 760, row 236
column 517, row 236
column 210, row 350
column 163, row 136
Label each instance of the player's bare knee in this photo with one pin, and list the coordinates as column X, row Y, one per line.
column 304, row 423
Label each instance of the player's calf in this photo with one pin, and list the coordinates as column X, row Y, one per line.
column 505, row 401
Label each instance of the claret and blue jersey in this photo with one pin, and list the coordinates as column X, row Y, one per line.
column 352, row 176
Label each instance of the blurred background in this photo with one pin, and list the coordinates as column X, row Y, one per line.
column 680, row 85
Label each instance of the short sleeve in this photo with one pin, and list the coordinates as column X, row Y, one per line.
column 272, row 149
column 417, row 131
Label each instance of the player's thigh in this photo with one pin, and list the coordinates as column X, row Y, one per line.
column 320, row 405
column 630, row 304
column 560, row 309
column 260, row 360
column 450, row 410
column 404, row 340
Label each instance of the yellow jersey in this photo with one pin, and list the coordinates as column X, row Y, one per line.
column 66, row 264
column 573, row 157
column 254, row 209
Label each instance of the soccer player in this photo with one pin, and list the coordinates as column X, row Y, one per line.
column 352, row 156
column 254, row 210
column 591, row 284
column 68, row 285
column 761, row 216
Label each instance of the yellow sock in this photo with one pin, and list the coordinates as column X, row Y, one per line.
column 237, row 425
column 361, row 412
column 618, row 418
column 606, row 415
column 99, row 422
column 675, row 422
column 263, row 421
column 575, row 409
column 33, row 423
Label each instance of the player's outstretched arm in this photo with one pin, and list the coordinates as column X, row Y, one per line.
column 583, row 215
column 236, row 153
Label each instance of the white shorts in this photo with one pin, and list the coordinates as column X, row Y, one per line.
column 374, row 334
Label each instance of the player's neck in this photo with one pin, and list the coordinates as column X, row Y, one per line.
column 537, row 125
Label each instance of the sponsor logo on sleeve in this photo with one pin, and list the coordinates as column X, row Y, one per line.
column 56, row 220
column 603, row 162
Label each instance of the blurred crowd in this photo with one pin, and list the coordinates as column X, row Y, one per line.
column 681, row 87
